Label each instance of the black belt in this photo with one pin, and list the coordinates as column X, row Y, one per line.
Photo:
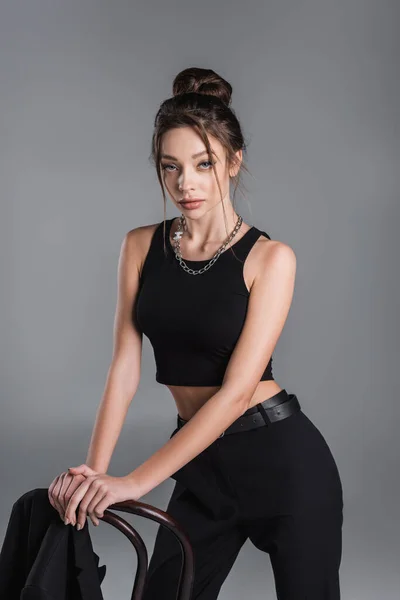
column 276, row 408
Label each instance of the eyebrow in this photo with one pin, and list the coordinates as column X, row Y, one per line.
column 193, row 156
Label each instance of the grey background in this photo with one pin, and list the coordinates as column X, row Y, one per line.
column 315, row 85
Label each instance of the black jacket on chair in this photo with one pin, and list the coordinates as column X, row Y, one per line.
column 44, row 559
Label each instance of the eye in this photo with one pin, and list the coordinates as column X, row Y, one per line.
column 165, row 167
column 207, row 162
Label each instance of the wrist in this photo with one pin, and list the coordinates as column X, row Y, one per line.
column 136, row 490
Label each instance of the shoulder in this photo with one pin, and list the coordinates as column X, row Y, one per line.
column 136, row 243
column 270, row 250
column 274, row 250
column 141, row 233
column 274, row 258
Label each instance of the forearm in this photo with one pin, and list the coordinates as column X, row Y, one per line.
column 220, row 411
column 109, row 421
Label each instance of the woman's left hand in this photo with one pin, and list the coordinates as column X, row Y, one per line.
column 97, row 493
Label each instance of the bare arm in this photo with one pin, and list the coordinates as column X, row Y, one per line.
column 124, row 373
column 269, row 303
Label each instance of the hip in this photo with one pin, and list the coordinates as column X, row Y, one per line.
column 285, row 464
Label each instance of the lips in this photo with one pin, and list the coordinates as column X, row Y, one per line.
column 192, row 205
column 184, row 201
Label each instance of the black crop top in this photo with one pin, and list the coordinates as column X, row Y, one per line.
column 193, row 321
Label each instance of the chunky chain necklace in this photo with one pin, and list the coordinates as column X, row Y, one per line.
column 177, row 236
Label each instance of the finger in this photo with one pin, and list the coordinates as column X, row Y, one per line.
column 82, row 466
column 82, row 469
column 92, row 492
column 102, row 506
column 71, row 482
column 49, row 493
column 61, row 490
column 104, row 503
column 51, row 486
column 55, row 497
column 51, row 501
column 76, row 470
column 66, row 482
column 94, row 509
column 76, row 498
column 75, row 483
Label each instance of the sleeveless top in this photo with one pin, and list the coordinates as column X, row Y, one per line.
column 193, row 321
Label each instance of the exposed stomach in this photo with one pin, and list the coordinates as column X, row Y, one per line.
column 189, row 399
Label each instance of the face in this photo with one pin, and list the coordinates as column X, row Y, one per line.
column 187, row 177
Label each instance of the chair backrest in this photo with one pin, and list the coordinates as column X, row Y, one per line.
column 185, row 585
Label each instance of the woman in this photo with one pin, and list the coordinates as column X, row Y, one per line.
column 212, row 294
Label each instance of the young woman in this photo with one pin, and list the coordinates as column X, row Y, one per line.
column 212, row 294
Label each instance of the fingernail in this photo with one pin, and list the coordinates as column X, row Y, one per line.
column 79, row 527
column 66, row 521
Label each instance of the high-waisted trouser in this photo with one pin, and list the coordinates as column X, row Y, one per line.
column 277, row 485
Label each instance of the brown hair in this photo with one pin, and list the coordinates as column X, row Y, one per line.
column 201, row 100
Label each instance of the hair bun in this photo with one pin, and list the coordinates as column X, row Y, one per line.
column 202, row 81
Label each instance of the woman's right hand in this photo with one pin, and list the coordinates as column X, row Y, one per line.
column 61, row 489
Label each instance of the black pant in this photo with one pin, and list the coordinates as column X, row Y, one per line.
column 277, row 485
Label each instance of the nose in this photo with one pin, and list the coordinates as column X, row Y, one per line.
column 185, row 182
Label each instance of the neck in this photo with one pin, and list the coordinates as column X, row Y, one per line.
column 207, row 229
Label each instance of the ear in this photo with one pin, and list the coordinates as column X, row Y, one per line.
column 235, row 164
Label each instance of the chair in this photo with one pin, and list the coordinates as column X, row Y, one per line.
column 186, row 578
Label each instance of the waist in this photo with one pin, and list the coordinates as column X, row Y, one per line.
column 189, row 399
column 265, row 413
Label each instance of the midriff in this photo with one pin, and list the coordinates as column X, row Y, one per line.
column 189, row 399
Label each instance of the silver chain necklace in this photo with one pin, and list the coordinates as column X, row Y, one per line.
column 177, row 236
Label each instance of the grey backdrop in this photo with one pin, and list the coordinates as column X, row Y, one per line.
column 316, row 87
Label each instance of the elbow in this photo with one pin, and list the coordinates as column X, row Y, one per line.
column 235, row 395
column 246, row 401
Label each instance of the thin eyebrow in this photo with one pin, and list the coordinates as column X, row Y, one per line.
column 194, row 155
